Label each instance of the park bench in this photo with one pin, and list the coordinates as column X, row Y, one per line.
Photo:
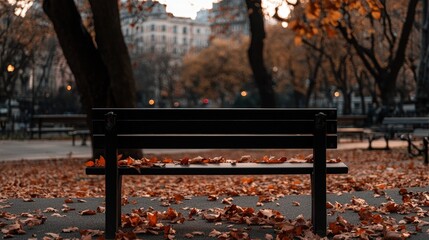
column 413, row 149
column 56, row 123
column 82, row 133
column 315, row 129
column 406, row 128
column 352, row 125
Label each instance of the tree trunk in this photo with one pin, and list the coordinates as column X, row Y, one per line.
column 103, row 71
column 262, row 78
column 314, row 72
column 422, row 93
column 114, row 52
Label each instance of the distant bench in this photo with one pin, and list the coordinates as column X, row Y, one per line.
column 83, row 134
column 72, row 124
column 405, row 128
column 314, row 129
column 352, row 125
column 413, row 149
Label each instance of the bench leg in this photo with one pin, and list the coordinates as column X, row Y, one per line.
column 112, row 178
column 426, row 150
column 386, row 138
column 83, row 140
column 113, row 204
column 73, row 140
column 119, row 200
column 318, row 177
column 318, row 202
column 370, row 139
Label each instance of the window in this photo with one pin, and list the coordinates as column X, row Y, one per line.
column 152, row 27
column 175, row 40
column 163, row 28
column 163, row 38
column 175, row 29
column 152, row 38
column 185, row 30
column 185, row 41
column 198, row 30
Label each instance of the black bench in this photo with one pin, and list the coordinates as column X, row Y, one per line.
column 351, row 126
column 82, row 133
column 52, row 129
column 413, row 149
column 55, row 123
column 315, row 129
column 397, row 127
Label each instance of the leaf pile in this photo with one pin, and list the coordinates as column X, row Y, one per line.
column 368, row 170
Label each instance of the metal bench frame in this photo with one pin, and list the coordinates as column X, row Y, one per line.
column 315, row 129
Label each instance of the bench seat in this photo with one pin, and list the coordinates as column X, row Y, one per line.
column 224, row 169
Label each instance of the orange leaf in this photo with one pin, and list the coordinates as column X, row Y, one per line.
column 101, row 162
column 87, row 212
column 376, row 14
column 152, row 219
column 89, row 163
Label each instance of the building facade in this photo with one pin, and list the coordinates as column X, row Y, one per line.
column 161, row 32
column 229, row 19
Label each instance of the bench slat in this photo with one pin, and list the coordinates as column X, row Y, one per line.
column 214, row 141
column 214, row 114
column 225, row 169
column 213, row 127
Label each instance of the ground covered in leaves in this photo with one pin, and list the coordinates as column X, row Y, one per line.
column 368, row 170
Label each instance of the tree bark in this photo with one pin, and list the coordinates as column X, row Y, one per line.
column 114, row 52
column 102, row 69
column 422, row 93
column 262, row 78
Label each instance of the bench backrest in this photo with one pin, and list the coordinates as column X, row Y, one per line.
column 214, row 128
column 407, row 120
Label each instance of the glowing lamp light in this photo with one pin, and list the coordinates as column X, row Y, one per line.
column 69, row 87
column 284, row 24
column 205, row 101
column 10, row 68
column 176, row 104
column 151, row 102
column 243, row 93
column 337, row 94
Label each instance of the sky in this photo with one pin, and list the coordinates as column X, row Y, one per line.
column 189, row 8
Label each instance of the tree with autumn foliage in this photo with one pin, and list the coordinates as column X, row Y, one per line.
column 370, row 27
column 217, row 72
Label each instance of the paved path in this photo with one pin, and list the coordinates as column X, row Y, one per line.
column 47, row 149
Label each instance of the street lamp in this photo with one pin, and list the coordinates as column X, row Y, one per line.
column 69, row 87
column 151, row 102
column 243, row 93
column 10, row 68
column 337, row 94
